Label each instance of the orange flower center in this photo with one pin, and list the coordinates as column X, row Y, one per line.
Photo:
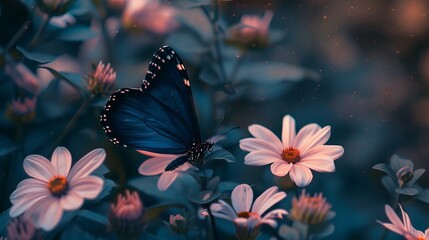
column 291, row 155
column 247, row 214
column 58, row 185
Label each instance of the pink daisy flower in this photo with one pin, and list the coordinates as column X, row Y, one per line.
column 403, row 227
column 54, row 188
column 295, row 154
column 244, row 213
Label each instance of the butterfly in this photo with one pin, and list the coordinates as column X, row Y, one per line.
column 159, row 116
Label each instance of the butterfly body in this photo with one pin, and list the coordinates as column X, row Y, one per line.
column 159, row 117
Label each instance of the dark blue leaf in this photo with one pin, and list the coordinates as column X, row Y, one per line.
column 37, row 56
column 76, row 33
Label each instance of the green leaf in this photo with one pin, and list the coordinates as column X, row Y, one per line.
column 6, row 146
column 384, row 168
column 76, row 33
column 37, row 56
column 4, row 220
column 93, row 216
column 107, row 188
column 74, row 79
column 219, row 153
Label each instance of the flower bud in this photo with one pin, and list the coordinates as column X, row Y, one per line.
column 127, row 216
column 310, row 210
column 102, row 80
column 22, row 110
column 178, row 224
column 405, row 174
column 21, row 228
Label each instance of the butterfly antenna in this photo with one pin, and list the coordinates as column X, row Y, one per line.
column 223, row 134
column 218, row 124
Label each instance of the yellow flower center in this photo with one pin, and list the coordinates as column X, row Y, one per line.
column 291, row 155
column 58, row 185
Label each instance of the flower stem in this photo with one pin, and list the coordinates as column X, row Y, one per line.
column 72, row 121
column 212, row 222
column 40, row 31
column 17, row 36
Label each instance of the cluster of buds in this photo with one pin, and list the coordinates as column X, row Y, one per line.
column 102, row 80
column 251, row 32
column 21, row 228
column 55, row 7
column 127, row 216
column 22, row 110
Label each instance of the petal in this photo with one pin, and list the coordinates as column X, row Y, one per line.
column 335, row 151
column 265, row 134
column 305, row 132
column 319, row 137
column 87, row 164
column 61, row 160
column 272, row 223
column 254, row 144
column 288, row 131
column 47, row 213
column 280, row 168
column 267, row 199
column 300, row 175
column 223, row 210
column 166, row 179
column 242, row 197
column 406, row 220
column 24, row 204
column 261, row 157
column 39, row 167
column 391, row 215
column 276, row 213
column 27, row 188
column 155, row 165
column 71, row 201
column 87, row 187
column 392, row 228
column 320, row 163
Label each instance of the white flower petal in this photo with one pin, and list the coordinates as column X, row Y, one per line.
column 272, row 223
column 242, row 197
column 47, row 213
column 87, row 164
column 39, row 167
column 300, row 175
column 24, row 204
column 335, row 151
column 393, row 228
column 71, row 201
column 261, row 157
column 87, row 187
column 267, row 199
column 319, row 137
column 288, row 131
column 61, row 160
column 155, row 165
column 303, row 134
column 166, row 179
column 391, row 215
column 254, row 144
column 27, row 188
column 265, row 134
column 280, row 168
column 320, row 163
column 223, row 210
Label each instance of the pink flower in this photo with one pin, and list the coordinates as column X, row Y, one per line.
column 149, row 15
column 178, row 224
column 252, row 31
column 102, row 80
column 22, row 110
column 403, row 227
column 54, row 188
column 310, row 210
column 156, row 165
column 295, row 154
column 128, row 215
column 245, row 214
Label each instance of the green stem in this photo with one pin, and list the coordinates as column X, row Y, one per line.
column 72, row 121
column 40, row 31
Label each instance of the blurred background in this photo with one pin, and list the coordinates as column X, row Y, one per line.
column 360, row 66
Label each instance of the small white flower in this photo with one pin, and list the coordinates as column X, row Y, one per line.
column 295, row 153
column 156, row 165
column 54, row 188
column 244, row 214
column 404, row 227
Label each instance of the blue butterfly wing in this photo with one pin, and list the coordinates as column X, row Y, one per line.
column 160, row 116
